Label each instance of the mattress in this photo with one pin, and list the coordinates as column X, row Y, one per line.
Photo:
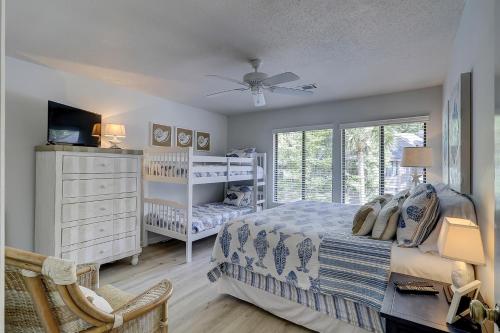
column 164, row 167
column 204, row 217
column 260, row 173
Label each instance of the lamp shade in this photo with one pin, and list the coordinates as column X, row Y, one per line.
column 96, row 129
column 417, row 157
column 113, row 130
column 460, row 240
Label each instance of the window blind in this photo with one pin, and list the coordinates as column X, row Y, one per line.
column 371, row 159
column 303, row 165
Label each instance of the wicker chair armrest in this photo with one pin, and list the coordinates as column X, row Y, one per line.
column 146, row 302
column 88, row 275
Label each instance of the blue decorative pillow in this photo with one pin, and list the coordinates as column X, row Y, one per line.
column 247, row 152
column 233, row 198
column 247, row 191
column 418, row 216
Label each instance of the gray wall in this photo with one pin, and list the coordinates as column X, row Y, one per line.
column 473, row 50
column 255, row 128
column 29, row 86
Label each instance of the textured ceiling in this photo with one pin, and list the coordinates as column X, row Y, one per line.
column 350, row 48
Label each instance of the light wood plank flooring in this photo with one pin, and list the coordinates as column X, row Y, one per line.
column 195, row 305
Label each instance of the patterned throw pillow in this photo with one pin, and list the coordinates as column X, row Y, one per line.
column 233, row 198
column 247, row 190
column 382, row 199
column 386, row 223
column 247, row 152
column 365, row 218
column 418, row 216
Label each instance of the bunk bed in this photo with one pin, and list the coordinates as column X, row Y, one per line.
column 183, row 220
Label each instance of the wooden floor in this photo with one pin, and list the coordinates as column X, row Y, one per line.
column 195, row 305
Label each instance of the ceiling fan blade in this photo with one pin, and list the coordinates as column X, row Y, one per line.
column 290, row 91
column 280, row 78
column 259, row 99
column 226, row 91
column 228, row 79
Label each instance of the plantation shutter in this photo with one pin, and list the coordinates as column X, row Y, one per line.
column 303, row 165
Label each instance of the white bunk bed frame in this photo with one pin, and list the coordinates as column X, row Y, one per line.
column 178, row 166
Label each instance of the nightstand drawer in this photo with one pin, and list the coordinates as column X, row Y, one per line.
column 88, row 164
column 93, row 253
column 83, row 233
column 85, row 210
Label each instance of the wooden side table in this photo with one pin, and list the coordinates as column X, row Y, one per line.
column 405, row 313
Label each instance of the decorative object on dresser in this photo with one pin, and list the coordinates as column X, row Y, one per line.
column 422, row 313
column 416, row 157
column 114, row 132
column 46, row 294
column 183, row 137
column 203, row 141
column 460, row 240
column 161, row 135
column 87, row 203
column 457, row 134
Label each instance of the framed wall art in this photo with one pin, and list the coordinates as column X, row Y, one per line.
column 459, row 135
column 161, row 135
column 203, row 141
column 183, row 137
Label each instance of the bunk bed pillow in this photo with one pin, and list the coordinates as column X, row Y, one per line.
column 248, row 194
column 246, row 152
column 418, row 216
column 233, row 198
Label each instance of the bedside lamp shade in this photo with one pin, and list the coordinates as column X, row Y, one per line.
column 460, row 240
column 113, row 130
column 417, row 157
column 96, row 130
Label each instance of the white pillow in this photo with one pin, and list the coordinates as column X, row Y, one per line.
column 98, row 301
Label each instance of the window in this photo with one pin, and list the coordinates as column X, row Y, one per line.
column 371, row 158
column 303, row 165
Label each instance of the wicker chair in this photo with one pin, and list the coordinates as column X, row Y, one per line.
column 42, row 294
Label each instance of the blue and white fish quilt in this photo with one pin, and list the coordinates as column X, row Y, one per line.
column 309, row 245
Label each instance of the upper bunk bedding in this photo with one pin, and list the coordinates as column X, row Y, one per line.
column 308, row 245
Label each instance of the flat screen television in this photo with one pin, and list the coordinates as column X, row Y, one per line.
column 72, row 126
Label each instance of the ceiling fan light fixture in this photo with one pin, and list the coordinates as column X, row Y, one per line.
column 258, row 97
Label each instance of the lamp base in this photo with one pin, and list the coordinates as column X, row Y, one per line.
column 415, row 178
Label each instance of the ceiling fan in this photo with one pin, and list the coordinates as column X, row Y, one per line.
column 257, row 82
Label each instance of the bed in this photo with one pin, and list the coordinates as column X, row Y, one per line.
column 300, row 262
column 205, row 216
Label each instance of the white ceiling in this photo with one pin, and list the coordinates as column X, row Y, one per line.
column 350, row 48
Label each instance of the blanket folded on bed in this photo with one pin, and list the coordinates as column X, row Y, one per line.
column 308, row 245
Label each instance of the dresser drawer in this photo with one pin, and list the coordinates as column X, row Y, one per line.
column 88, row 164
column 86, row 187
column 85, row 210
column 123, row 245
column 125, row 205
column 125, row 164
column 86, row 232
column 125, row 185
column 124, row 225
column 90, row 254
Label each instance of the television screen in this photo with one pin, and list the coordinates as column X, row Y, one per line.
column 69, row 125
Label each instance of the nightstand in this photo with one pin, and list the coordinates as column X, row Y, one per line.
column 406, row 313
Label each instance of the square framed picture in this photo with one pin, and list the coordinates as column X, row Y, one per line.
column 203, row 141
column 161, row 135
column 183, row 137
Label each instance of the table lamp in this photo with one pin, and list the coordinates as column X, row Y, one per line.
column 416, row 157
column 114, row 132
column 460, row 240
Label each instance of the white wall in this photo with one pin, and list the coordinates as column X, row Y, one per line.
column 255, row 129
column 29, row 86
column 2, row 157
column 473, row 50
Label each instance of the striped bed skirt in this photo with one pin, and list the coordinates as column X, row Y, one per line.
column 337, row 307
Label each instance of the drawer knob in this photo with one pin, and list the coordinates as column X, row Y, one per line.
column 101, row 230
column 101, row 252
column 102, row 208
column 102, row 186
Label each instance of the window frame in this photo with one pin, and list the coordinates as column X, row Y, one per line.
column 378, row 123
column 302, row 129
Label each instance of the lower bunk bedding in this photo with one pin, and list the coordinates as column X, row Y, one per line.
column 304, row 252
column 204, row 217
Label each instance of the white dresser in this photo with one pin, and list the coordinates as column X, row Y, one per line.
column 87, row 203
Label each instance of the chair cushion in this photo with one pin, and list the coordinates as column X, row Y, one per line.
column 114, row 296
column 98, row 301
column 418, row 216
